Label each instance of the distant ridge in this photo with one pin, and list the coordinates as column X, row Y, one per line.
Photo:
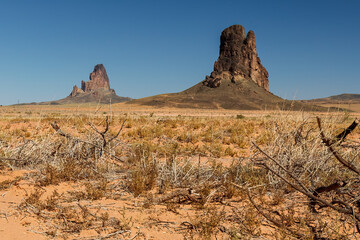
column 340, row 97
column 343, row 102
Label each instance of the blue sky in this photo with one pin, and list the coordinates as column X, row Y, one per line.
column 311, row 49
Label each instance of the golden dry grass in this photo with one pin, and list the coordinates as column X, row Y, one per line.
column 171, row 176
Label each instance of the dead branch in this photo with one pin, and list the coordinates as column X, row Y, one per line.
column 328, row 144
column 279, row 165
column 118, row 133
column 56, row 127
column 188, row 193
column 267, row 216
column 332, row 187
column 306, row 192
column 172, row 195
column 61, row 133
column 106, row 236
column 14, row 159
column 314, row 198
column 85, row 210
column 341, row 137
column 103, row 133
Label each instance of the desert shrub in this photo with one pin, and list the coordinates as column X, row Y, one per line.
column 206, row 224
column 296, row 145
column 310, row 172
column 142, row 177
column 229, row 152
column 143, row 174
column 95, row 191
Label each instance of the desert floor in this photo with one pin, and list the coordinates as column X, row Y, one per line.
column 133, row 172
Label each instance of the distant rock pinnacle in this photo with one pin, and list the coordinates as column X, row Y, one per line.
column 98, row 80
column 237, row 59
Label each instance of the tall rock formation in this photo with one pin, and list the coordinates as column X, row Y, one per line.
column 97, row 89
column 238, row 81
column 99, row 80
column 238, row 59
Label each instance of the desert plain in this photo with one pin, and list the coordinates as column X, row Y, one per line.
column 92, row 171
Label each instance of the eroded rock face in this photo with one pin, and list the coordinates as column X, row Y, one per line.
column 98, row 79
column 238, row 57
column 76, row 91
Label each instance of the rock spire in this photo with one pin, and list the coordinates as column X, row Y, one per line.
column 98, row 79
column 238, row 59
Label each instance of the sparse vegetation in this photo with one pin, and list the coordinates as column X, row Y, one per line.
column 125, row 175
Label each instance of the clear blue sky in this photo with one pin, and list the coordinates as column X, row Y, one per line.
column 311, row 49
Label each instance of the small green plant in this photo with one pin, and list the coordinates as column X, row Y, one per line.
column 240, row 116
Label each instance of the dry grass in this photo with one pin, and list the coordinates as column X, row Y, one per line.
column 173, row 166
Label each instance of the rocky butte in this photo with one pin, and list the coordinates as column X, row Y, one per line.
column 238, row 81
column 97, row 89
column 238, row 59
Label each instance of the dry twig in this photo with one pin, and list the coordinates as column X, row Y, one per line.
column 328, row 144
column 61, row 133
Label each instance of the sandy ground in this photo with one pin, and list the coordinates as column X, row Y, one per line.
column 152, row 222
column 12, row 224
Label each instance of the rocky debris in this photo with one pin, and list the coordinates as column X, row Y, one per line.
column 212, row 82
column 238, row 59
column 76, row 91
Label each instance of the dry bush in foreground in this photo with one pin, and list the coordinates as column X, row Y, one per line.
column 317, row 173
